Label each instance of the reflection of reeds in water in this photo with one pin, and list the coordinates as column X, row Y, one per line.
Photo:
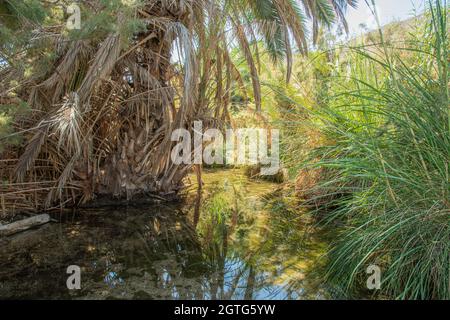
column 244, row 246
column 256, row 240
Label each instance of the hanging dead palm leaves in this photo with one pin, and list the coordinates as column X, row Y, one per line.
column 104, row 107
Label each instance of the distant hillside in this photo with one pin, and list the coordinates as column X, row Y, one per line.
column 397, row 31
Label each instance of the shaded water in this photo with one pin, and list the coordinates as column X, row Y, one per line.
column 248, row 243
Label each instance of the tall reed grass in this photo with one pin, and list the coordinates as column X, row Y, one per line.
column 387, row 128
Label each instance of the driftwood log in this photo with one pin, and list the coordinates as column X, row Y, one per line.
column 25, row 224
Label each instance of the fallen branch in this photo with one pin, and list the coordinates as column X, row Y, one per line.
column 25, row 224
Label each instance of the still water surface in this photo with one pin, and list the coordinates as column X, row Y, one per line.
column 247, row 242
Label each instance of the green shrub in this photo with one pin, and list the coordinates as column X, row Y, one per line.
column 389, row 127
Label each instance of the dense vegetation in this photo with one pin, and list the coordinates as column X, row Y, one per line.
column 365, row 122
column 105, row 98
column 374, row 130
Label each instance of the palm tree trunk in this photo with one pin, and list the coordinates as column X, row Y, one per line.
column 140, row 161
column 109, row 112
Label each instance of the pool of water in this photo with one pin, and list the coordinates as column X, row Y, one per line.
column 242, row 239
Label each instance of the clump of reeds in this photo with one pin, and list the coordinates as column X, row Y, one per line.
column 388, row 128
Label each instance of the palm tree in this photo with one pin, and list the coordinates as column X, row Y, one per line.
column 105, row 99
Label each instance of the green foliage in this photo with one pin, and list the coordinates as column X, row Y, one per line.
column 7, row 113
column 31, row 10
column 386, row 124
column 113, row 16
column 13, row 14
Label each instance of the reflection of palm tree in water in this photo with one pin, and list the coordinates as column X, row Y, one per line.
column 120, row 253
column 251, row 246
column 170, row 246
column 220, row 215
column 215, row 274
column 235, row 251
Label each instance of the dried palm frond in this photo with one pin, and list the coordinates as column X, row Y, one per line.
column 31, row 152
column 103, row 110
column 66, row 123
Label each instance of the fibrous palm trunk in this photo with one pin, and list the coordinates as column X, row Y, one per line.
column 108, row 111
